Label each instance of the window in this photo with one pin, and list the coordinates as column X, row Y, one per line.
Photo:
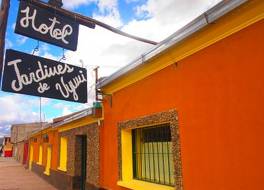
column 40, row 155
column 31, row 154
column 45, row 138
column 149, row 152
column 152, row 155
column 63, row 154
column 48, row 164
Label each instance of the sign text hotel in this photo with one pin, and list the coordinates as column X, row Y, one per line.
column 47, row 26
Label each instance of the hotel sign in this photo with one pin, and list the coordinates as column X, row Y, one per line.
column 47, row 26
column 37, row 76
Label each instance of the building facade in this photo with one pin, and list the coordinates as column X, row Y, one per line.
column 19, row 139
column 188, row 114
column 66, row 154
column 7, row 147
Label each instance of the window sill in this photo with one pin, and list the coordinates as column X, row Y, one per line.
column 142, row 185
column 62, row 169
column 47, row 173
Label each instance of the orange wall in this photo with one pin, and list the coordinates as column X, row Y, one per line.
column 219, row 95
column 53, row 141
column 35, row 148
column 55, row 150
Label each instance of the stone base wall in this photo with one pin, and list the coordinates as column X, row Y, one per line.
column 60, row 180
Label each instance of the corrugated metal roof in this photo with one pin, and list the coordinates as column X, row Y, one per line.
column 73, row 117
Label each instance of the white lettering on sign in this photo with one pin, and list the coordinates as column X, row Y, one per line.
column 44, row 72
column 71, row 86
column 56, row 33
column 43, row 87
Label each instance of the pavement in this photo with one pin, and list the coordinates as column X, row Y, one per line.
column 13, row 176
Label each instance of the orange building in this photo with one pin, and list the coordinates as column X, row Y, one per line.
column 66, row 152
column 42, row 145
column 7, row 147
column 189, row 113
column 185, row 115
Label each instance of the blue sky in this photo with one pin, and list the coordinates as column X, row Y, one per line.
column 151, row 19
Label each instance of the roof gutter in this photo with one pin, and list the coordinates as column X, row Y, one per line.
column 84, row 113
column 200, row 22
column 78, row 115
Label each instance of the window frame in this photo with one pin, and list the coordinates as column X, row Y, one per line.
column 40, row 157
column 48, row 162
column 63, row 156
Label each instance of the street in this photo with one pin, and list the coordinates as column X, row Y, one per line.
column 13, row 176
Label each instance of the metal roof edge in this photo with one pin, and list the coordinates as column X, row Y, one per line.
column 83, row 113
column 36, row 131
column 198, row 23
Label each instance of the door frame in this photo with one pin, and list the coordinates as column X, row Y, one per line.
column 83, row 161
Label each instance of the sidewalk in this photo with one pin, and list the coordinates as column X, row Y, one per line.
column 13, row 176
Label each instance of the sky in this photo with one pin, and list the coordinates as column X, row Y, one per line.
column 151, row 19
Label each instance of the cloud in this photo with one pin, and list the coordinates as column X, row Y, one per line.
column 45, row 101
column 13, row 26
column 73, row 4
column 107, row 5
column 50, row 56
column 44, row 48
column 132, row 1
column 111, row 51
column 17, row 109
column 108, row 13
column 8, row 44
column 66, row 111
column 165, row 17
column 44, row 51
column 103, row 5
column 21, row 40
column 156, row 20
column 68, row 108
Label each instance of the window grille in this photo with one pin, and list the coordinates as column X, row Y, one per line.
column 45, row 138
column 152, row 155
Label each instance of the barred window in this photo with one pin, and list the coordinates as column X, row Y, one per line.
column 45, row 138
column 152, row 155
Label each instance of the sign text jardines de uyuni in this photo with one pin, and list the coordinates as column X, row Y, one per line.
column 34, row 75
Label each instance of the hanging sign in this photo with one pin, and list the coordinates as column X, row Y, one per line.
column 37, row 76
column 47, row 26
